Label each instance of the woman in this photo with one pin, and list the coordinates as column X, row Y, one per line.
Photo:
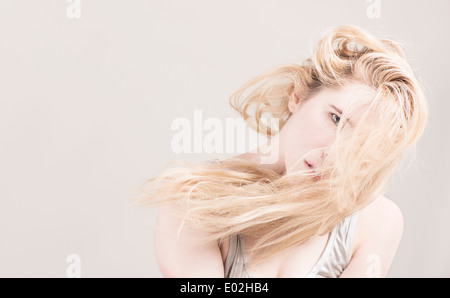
column 348, row 116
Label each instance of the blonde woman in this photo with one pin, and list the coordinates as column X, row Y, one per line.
column 348, row 117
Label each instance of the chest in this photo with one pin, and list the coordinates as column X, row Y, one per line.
column 296, row 261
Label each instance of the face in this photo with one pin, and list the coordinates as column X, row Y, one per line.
column 311, row 128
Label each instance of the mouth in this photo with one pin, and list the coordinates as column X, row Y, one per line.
column 312, row 168
column 309, row 165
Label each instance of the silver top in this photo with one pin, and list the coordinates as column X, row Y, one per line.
column 332, row 262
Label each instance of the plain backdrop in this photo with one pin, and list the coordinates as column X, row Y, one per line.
column 86, row 106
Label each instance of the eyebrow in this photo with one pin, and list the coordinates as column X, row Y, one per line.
column 340, row 112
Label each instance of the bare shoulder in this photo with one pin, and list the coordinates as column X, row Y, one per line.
column 380, row 221
column 377, row 236
column 180, row 250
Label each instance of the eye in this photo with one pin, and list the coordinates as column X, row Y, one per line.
column 335, row 118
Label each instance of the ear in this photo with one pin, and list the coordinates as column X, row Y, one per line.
column 294, row 102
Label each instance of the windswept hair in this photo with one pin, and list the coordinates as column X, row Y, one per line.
column 242, row 197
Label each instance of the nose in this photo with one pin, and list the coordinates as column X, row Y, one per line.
column 319, row 158
column 324, row 154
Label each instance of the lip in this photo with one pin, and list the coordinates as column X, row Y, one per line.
column 309, row 165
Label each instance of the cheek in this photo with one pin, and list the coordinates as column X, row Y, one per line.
column 300, row 139
column 305, row 134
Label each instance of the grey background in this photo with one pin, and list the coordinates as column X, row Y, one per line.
column 86, row 107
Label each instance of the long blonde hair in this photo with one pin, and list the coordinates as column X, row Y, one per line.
column 240, row 197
